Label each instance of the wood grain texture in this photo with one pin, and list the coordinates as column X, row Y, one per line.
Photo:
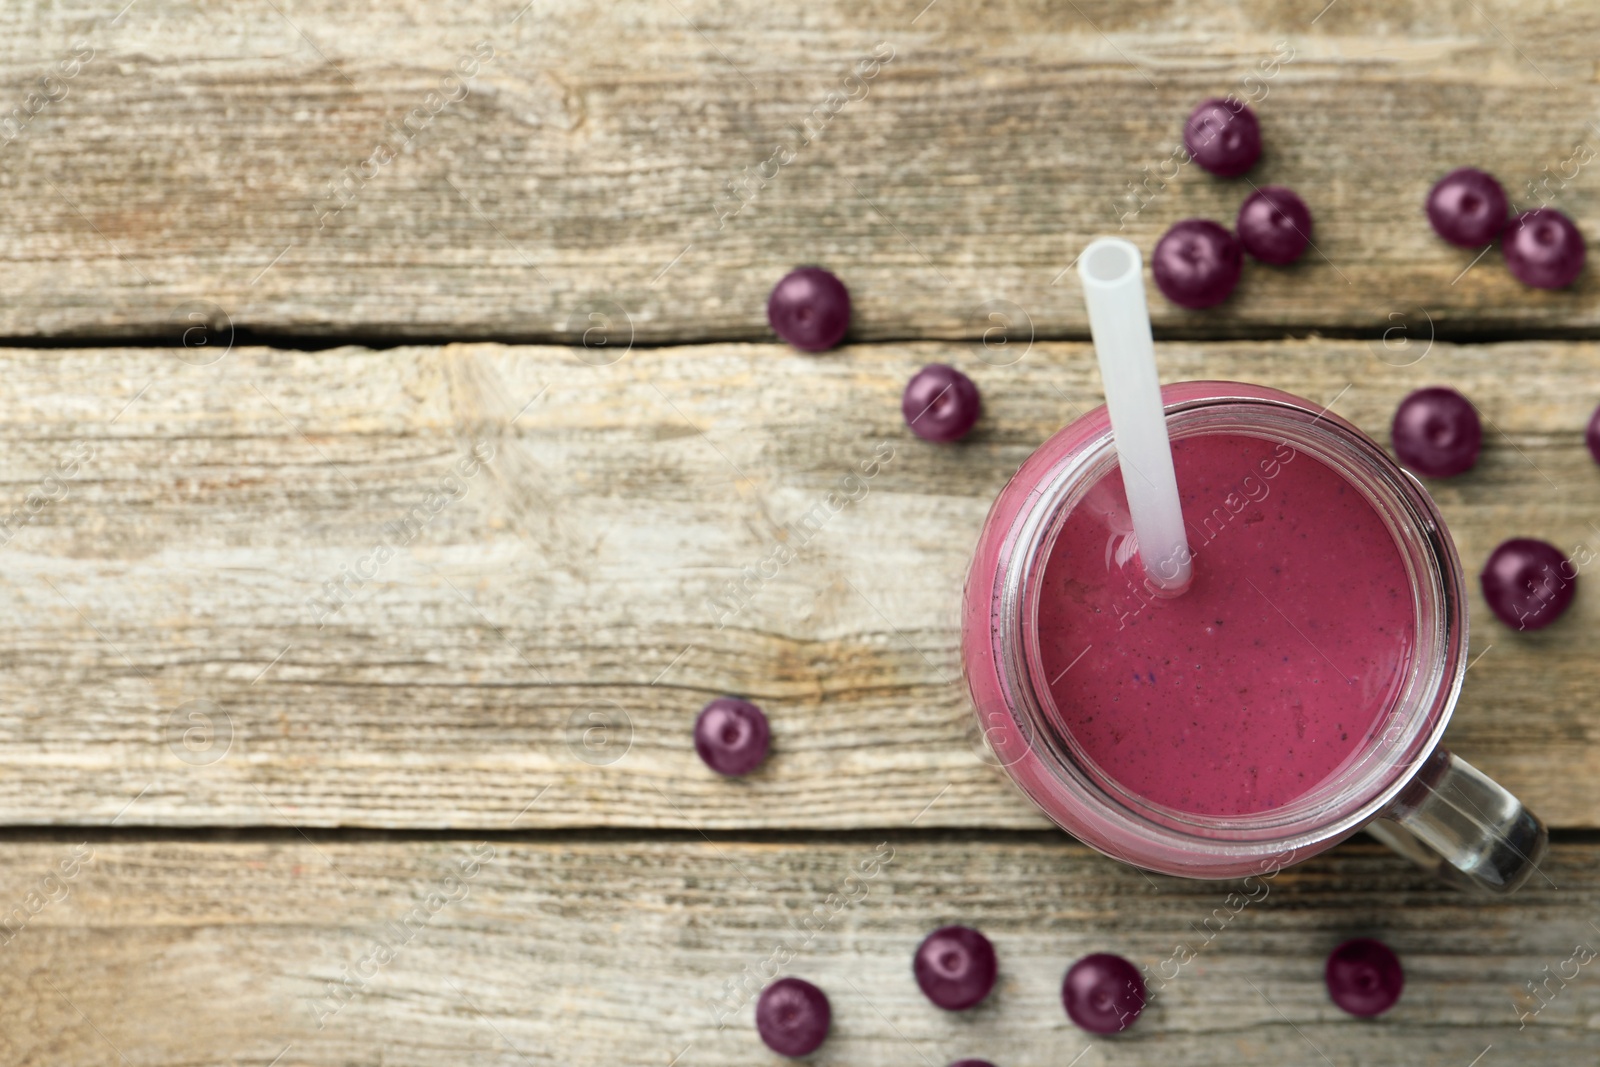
column 605, row 952
column 193, row 153
column 534, row 653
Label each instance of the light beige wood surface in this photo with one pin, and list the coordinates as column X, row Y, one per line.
column 615, row 950
column 191, row 154
column 534, row 654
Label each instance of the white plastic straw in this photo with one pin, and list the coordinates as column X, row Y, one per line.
column 1119, row 319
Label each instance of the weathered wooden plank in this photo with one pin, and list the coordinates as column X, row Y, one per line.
column 604, row 952
column 637, row 161
column 182, row 555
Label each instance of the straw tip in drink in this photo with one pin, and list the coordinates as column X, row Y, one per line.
column 1169, row 572
column 1170, row 588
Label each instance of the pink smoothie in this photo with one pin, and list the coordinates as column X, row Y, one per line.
column 1255, row 686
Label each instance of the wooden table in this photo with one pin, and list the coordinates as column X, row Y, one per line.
column 377, row 440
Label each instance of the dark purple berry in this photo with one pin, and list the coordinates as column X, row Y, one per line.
column 1467, row 207
column 940, row 403
column 1543, row 249
column 1436, row 432
column 809, row 308
column 1223, row 137
column 1197, row 263
column 955, row 966
column 732, row 735
column 792, row 1017
column 1528, row 583
column 1103, row 993
column 1591, row 436
column 1274, row 225
column 1364, row 976
column 972, row 1063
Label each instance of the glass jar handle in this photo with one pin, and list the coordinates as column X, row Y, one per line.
column 1459, row 823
